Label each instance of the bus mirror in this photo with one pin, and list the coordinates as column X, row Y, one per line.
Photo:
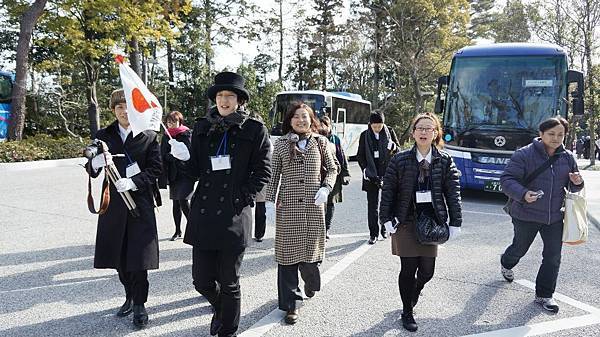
column 439, row 105
column 442, row 80
column 574, row 76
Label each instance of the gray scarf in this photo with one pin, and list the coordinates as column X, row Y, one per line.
column 222, row 124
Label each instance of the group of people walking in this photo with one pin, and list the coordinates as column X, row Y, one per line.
column 229, row 155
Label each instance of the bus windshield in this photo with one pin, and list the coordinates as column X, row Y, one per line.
column 5, row 89
column 504, row 92
column 316, row 102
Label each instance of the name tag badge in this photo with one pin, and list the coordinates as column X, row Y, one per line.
column 376, row 154
column 423, row 196
column 132, row 169
column 220, row 162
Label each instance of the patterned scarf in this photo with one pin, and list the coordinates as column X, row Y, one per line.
column 423, row 170
column 294, row 138
column 222, row 124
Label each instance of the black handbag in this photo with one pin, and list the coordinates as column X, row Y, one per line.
column 429, row 232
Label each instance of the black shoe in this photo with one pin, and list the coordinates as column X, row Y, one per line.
column 258, row 239
column 408, row 322
column 176, row 236
column 126, row 308
column 215, row 324
column 140, row 316
column 384, row 235
column 372, row 240
column 291, row 317
column 309, row 293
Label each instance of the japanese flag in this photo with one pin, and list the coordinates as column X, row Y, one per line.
column 143, row 109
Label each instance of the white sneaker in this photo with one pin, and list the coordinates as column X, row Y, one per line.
column 507, row 274
column 547, row 303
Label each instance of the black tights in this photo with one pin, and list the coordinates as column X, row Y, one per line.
column 180, row 206
column 410, row 287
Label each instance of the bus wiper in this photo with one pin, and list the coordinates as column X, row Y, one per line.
column 475, row 127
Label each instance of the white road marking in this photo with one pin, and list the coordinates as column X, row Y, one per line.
column 551, row 326
column 274, row 317
column 486, row 213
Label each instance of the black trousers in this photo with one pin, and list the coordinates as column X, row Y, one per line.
column 410, row 287
column 373, row 210
column 288, row 290
column 260, row 220
column 136, row 285
column 216, row 276
column 329, row 210
column 525, row 233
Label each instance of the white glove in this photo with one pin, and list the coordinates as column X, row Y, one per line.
column 179, row 150
column 125, row 184
column 99, row 161
column 389, row 227
column 454, row 232
column 391, row 145
column 321, row 196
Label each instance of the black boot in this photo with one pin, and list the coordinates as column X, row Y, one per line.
column 215, row 323
column 140, row 316
column 408, row 321
column 126, row 308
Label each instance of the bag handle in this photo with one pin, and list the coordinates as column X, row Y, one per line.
column 540, row 169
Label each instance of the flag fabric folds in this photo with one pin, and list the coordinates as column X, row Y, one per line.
column 143, row 109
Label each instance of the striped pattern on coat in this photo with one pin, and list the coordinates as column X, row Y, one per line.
column 299, row 223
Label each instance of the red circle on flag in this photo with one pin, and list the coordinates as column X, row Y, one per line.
column 139, row 102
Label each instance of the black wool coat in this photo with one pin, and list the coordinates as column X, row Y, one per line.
column 173, row 169
column 123, row 241
column 221, row 215
column 398, row 192
column 384, row 159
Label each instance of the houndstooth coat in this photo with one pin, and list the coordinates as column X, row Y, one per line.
column 299, row 223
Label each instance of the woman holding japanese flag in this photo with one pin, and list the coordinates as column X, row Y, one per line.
column 230, row 158
column 125, row 242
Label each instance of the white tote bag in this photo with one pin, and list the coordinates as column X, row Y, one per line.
column 575, row 229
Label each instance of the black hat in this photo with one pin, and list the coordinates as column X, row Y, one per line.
column 228, row 81
column 376, row 117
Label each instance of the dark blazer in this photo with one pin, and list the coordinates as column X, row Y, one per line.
column 221, row 216
column 384, row 158
column 398, row 192
column 117, row 228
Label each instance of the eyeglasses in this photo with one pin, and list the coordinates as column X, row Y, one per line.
column 420, row 129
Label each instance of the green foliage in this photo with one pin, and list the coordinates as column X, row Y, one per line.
column 262, row 94
column 512, row 24
column 482, row 18
column 40, row 147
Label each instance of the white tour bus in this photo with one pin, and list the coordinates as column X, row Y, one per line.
column 349, row 113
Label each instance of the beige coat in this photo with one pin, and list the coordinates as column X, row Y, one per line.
column 299, row 223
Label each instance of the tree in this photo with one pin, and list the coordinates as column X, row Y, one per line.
column 28, row 20
column 482, row 19
column 325, row 32
column 511, row 25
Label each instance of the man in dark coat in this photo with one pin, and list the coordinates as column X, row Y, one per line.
column 376, row 146
column 123, row 242
column 230, row 157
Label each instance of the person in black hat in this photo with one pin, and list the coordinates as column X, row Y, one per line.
column 376, row 146
column 230, row 157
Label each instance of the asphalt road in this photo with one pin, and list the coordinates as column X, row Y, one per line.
column 49, row 288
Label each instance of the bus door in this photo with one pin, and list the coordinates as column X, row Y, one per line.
column 340, row 123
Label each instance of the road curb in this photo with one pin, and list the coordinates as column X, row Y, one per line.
column 40, row 164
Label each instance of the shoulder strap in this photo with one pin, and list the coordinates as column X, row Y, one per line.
column 540, row 169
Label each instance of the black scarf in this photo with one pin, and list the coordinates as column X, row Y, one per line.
column 222, row 124
column 374, row 171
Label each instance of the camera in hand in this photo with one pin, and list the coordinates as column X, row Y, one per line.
column 94, row 149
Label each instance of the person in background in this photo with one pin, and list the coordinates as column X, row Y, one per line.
column 125, row 242
column 230, row 158
column 180, row 184
column 376, row 146
column 307, row 172
column 536, row 207
column 423, row 179
column 343, row 177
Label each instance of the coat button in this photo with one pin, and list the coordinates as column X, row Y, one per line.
column 227, row 171
column 237, row 200
column 225, row 185
column 206, row 184
column 219, row 212
column 202, row 211
column 212, row 145
column 207, row 171
column 234, row 133
column 204, row 197
column 301, row 181
column 232, row 146
column 300, row 200
column 221, row 199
